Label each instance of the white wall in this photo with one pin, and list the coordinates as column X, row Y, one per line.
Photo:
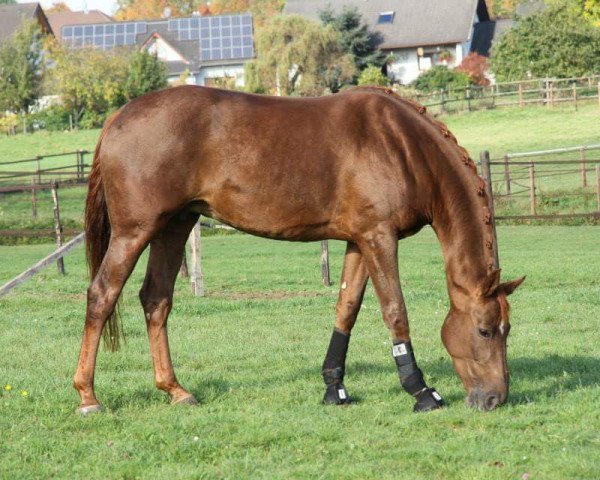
column 236, row 71
column 405, row 68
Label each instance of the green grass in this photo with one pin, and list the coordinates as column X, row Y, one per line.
column 254, row 363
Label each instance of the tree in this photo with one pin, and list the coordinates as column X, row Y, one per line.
column 555, row 42
column 373, row 76
column 87, row 79
column 146, row 73
column 7, row 1
column 262, row 10
column 141, row 9
column 21, row 68
column 297, row 56
column 591, row 11
column 355, row 37
column 58, row 7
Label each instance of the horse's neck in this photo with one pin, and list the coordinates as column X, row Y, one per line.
column 461, row 222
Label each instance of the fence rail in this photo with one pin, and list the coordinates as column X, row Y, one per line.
column 75, row 171
column 546, row 91
column 539, row 185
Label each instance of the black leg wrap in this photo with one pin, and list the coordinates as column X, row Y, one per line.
column 411, row 379
column 333, row 369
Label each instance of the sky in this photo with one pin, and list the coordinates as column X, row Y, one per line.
column 107, row 6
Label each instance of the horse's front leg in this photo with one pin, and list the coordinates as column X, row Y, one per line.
column 353, row 283
column 380, row 252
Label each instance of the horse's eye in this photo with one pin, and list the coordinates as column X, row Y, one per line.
column 485, row 333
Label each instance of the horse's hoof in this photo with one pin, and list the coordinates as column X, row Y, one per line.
column 189, row 400
column 428, row 400
column 89, row 409
column 336, row 395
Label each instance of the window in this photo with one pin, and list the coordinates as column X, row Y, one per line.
column 386, row 17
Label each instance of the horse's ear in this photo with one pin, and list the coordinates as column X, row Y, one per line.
column 510, row 287
column 490, row 284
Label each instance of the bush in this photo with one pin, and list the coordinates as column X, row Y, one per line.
column 372, row 75
column 475, row 66
column 441, row 77
column 53, row 118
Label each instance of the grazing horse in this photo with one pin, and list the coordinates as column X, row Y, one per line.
column 363, row 166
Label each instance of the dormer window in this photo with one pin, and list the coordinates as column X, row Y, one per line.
column 386, row 17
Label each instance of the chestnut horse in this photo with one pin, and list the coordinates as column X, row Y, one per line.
column 363, row 166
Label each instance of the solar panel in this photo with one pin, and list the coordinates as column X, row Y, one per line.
column 104, row 36
column 223, row 37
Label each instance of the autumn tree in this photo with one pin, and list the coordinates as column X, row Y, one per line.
column 298, row 56
column 140, row 9
column 58, row 7
column 476, row 67
column 21, row 68
column 262, row 10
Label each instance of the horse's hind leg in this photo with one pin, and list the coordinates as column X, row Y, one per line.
column 104, row 291
column 156, row 295
column 380, row 252
column 353, row 283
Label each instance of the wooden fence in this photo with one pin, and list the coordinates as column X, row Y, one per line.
column 562, row 183
column 540, row 91
column 66, row 168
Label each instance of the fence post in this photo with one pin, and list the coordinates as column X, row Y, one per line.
column 83, row 152
column 325, row 263
column 520, row 94
column 196, row 278
column 583, row 167
column 33, row 199
column 79, row 166
column 39, row 173
column 575, row 95
column 532, row 189
column 507, row 175
column 57, row 226
column 468, row 93
column 598, row 93
column 598, row 186
column 184, row 267
column 486, row 171
column 442, row 102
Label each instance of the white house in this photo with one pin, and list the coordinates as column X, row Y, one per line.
column 416, row 34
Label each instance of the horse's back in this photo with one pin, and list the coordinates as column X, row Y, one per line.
column 272, row 166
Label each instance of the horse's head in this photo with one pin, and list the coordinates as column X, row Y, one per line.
column 475, row 336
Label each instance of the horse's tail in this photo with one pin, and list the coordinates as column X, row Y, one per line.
column 97, row 238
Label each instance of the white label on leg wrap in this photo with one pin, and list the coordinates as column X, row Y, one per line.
column 436, row 395
column 398, row 350
column 342, row 394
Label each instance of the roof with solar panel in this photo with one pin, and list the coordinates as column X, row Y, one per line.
column 218, row 39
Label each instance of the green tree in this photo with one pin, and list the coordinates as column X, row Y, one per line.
column 555, row 42
column 88, row 80
column 21, row 68
column 355, row 37
column 7, row 1
column 372, row 75
column 297, row 56
column 146, row 73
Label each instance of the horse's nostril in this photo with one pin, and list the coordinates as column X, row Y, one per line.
column 491, row 402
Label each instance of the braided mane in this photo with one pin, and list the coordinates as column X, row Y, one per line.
column 464, row 155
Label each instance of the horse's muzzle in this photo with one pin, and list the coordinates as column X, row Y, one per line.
column 485, row 400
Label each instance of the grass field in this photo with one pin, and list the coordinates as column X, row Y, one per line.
column 251, row 352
